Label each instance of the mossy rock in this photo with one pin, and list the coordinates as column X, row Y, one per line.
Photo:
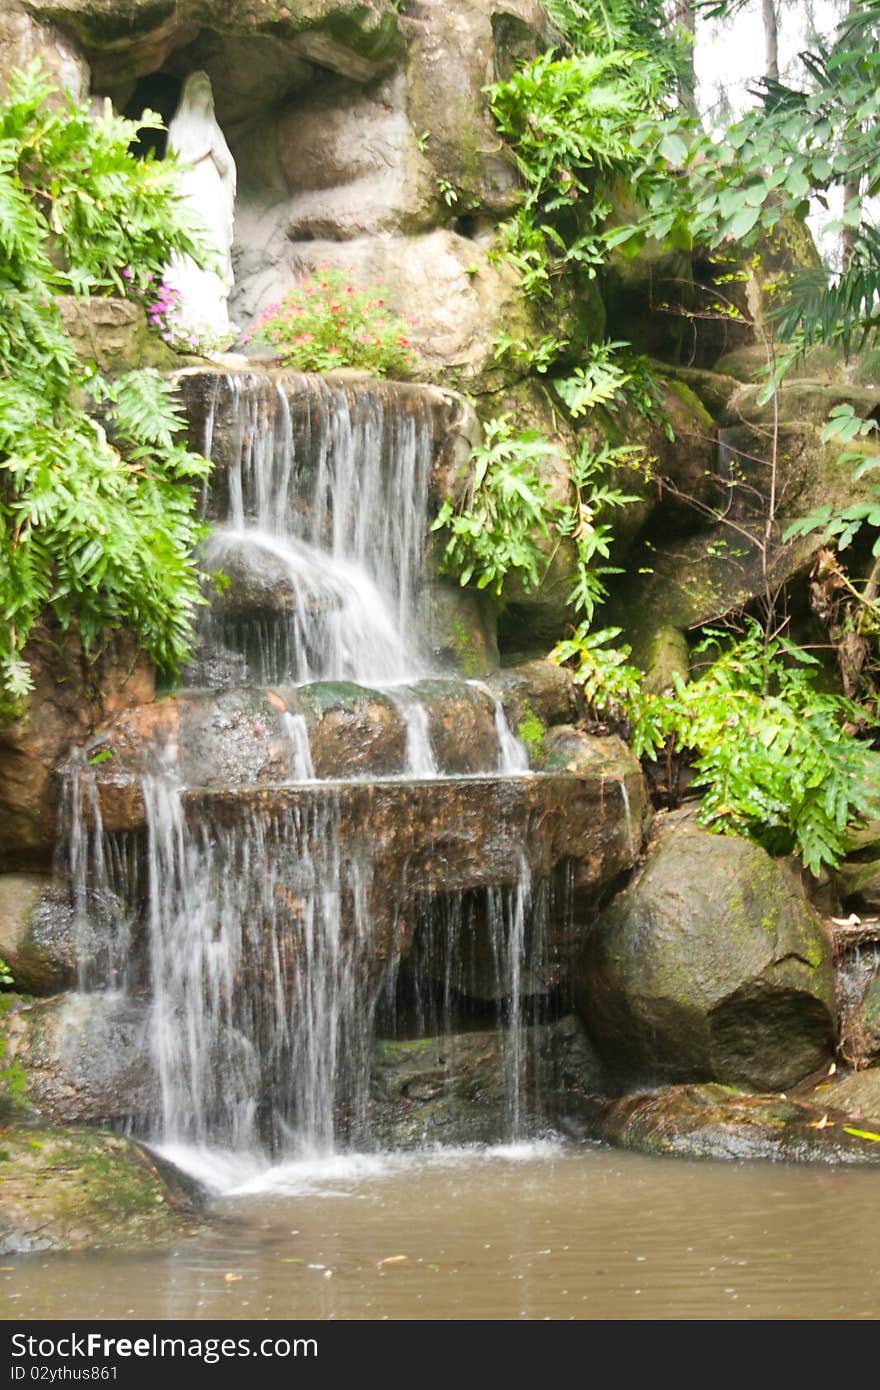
column 712, row 389
column 809, row 473
column 749, row 363
column 710, row 966
column 72, row 1189
column 681, row 584
column 455, row 1089
column 803, row 399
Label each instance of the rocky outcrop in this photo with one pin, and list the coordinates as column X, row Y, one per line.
column 710, row 966
column 73, row 1189
column 721, row 1123
column 362, row 136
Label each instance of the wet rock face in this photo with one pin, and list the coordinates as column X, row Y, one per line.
column 86, row 1059
column 70, row 698
column 710, row 966
column 72, row 1189
column 455, row 1089
column 37, row 938
column 445, row 836
column 717, row 1122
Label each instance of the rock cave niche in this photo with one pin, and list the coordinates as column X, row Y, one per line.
column 325, row 156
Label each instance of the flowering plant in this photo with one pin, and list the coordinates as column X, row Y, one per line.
column 326, row 322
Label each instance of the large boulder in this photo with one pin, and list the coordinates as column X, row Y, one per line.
column 710, row 966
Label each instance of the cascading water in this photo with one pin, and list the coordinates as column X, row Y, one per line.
column 260, row 940
column 329, row 517
column 268, row 942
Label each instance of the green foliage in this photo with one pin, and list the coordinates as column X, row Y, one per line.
column 772, row 753
column 612, row 686
column 569, row 122
column 12, row 1077
column 594, row 497
column 495, row 530
column 801, row 143
column 76, row 202
column 326, row 322
column 492, row 532
column 599, row 26
column 842, row 524
column 96, row 515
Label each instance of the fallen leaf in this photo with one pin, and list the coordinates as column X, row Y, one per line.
column 276, row 702
column 820, row 1124
column 232, row 1278
column 392, row 1260
column 862, row 1133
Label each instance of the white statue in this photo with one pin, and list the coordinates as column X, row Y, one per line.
column 207, row 180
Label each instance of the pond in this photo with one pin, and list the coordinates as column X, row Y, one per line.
column 530, row 1231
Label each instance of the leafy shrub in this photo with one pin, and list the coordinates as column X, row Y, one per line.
column 326, row 322
column 493, row 532
column 773, row 755
column 496, row 528
column 97, row 518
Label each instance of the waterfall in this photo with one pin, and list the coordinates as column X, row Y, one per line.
column 322, row 530
column 265, row 932
column 302, row 769
column 102, row 871
column 260, row 946
column 512, row 754
column 420, row 760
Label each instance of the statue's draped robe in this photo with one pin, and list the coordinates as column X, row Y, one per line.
column 208, row 180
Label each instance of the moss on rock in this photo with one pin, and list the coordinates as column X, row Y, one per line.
column 69, row 1189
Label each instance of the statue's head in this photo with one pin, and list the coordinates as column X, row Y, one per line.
column 198, row 93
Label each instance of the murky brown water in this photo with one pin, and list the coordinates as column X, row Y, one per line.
column 529, row 1233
